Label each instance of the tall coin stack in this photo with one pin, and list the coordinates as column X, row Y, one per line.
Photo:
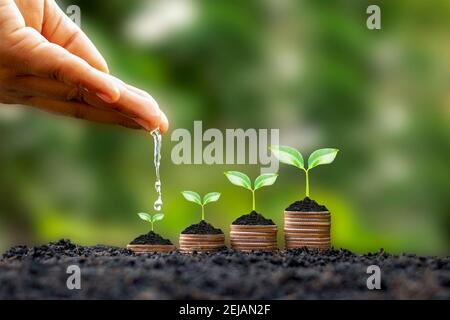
column 307, row 229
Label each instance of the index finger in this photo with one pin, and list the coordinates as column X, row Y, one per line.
column 58, row 28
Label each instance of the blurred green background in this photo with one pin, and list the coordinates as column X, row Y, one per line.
column 310, row 68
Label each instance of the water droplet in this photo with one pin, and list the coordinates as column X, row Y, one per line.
column 158, row 205
column 157, row 138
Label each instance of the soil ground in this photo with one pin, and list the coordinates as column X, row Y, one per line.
column 116, row 273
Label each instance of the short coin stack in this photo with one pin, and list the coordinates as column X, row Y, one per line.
column 201, row 242
column 253, row 237
column 307, row 229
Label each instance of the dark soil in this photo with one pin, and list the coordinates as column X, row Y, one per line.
column 306, row 205
column 202, row 227
column 150, row 238
column 115, row 273
column 253, row 219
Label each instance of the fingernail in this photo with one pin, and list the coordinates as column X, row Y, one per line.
column 112, row 96
column 105, row 97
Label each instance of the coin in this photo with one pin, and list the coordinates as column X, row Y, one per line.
column 146, row 248
column 201, row 242
column 253, row 237
column 307, row 229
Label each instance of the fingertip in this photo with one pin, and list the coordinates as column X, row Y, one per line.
column 103, row 65
column 114, row 92
column 163, row 123
column 100, row 64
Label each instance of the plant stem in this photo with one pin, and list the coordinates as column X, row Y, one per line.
column 307, row 183
column 152, row 225
column 203, row 212
column 253, row 196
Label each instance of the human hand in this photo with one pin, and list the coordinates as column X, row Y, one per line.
column 47, row 62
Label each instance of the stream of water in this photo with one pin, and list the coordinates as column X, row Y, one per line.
column 157, row 138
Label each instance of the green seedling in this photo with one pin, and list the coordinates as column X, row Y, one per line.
column 195, row 197
column 242, row 180
column 294, row 158
column 149, row 218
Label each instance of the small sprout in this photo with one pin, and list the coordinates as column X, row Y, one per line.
column 152, row 219
column 242, row 180
column 294, row 158
column 195, row 197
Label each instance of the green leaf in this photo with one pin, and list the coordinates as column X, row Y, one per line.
column 266, row 179
column 289, row 156
column 211, row 197
column 145, row 216
column 192, row 197
column 239, row 179
column 157, row 217
column 322, row 156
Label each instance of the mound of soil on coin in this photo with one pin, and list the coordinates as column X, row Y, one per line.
column 306, row 205
column 151, row 238
column 202, row 227
column 116, row 273
column 253, row 219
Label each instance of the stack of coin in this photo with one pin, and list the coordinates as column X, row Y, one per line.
column 307, row 229
column 253, row 237
column 201, row 242
column 150, row 248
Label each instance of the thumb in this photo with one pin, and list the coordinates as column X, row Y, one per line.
column 30, row 53
column 58, row 28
